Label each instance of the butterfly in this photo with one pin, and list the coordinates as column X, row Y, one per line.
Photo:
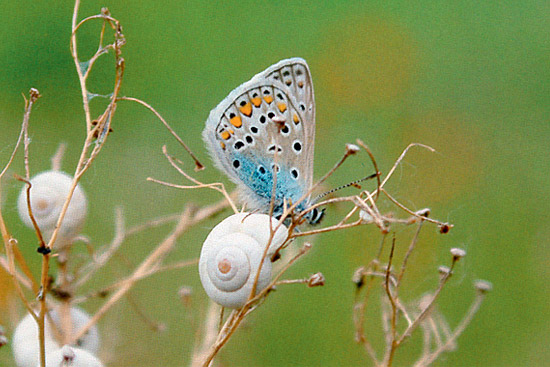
column 265, row 129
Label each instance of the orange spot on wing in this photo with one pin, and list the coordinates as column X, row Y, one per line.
column 295, row 118
column 282, row 107
column 222, row 144
column 268, row 99
column 236, row 121
column 225, row 135
column 246, row 109
column 256, row 101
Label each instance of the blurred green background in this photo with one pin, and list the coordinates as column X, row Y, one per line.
column 469, row 78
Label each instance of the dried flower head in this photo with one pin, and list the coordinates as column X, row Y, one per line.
column 317, row 279
column 483, row 286
column 457, row 253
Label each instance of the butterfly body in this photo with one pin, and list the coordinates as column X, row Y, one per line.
column 262, row 134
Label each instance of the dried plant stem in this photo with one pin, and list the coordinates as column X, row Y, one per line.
column 198, row 165
column 186, row 221
column 407, row 333
column 216, row 186
column 156, row 269
column 392, row 337
column 43, row 307
column 412, row 212
column 21, row 278
column 33, row 96
column 58, row 157
column 101, row 260
column 474, row 308
column 237, row 316
column 210, row 331
column 10, row 244
column 408, row 254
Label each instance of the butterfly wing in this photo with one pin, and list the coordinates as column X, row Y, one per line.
column 295, row 76
column 266, row 125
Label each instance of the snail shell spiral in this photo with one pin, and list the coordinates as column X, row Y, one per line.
column 231, row 255
column 49, row 191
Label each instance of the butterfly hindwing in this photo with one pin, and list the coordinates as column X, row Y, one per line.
column 266, row 125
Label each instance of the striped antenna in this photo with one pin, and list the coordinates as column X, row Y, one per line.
column 354, row 183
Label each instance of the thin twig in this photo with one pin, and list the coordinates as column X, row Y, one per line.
column 198, row 165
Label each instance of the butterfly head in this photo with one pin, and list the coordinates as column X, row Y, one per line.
column 314, row 216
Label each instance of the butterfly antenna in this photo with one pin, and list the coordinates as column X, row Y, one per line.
column 353, row 183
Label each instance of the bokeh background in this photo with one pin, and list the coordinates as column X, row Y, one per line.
column 469, row 78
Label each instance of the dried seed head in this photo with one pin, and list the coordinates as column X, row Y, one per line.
column 444, row 228
column 483, row 286
column 359, row 277
column 423, row 212
column 34, row 94
column 352, row 148
column 185, row 294
column 444, row 270
column 317, row 279
column 457, row 253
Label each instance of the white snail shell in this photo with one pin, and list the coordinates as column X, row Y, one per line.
column 73, row 357
column 48, row 194
column 25, row 344
column 231, row 255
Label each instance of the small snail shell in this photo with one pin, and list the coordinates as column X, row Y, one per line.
column 231, row 255
column 71, row 356
column 48, row 194
column 25, row 343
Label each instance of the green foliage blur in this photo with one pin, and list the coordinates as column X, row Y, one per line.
column 471, row 79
